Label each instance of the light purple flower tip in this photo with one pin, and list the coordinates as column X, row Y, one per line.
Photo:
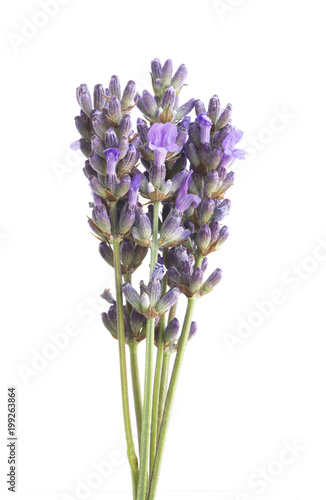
column 161, row 138
column 75, row 146
column 113, row 153
column 159, row 271
column 230, row 141
column 205, row 125
column 184, row 200
column 133, row 190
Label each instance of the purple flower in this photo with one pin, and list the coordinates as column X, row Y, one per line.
column 112, row 156
column 133, row 190
column 161, row 138
column 159, row 271
column 184, row 200
column 230, row 141
column 205, row 125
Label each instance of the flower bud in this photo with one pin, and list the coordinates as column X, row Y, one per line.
column 111, row 139
column 128, row 94
column 179, row 77
column 99, row 99
column 127, row 218
column 123, row 187
column 98, row 163
column 140, row 253
column 211, row 183
column 211, row 282
column 156, row 68
column 97, row 187
column 98, row 124
column 137, row 321
column 196, row 280
column 143, row 224
column 157, row 175
column 123, row 146
column 222, row 210
column 85, row 147
column 131, row 296
column 168, row 300
column 194, row 134
column 168, row 99
column 109, row 325
column 145, row 303
column 224, row 118
column 114, row 109
column 142, row 129
column 84, row 99
column 88, row 170
column 150, row 104
column 171, row 331
column 114, row 87
column 204, row 238
column 154, row 291
column 126, row 252
column 185, row 109
column 215, row 158
column 206, row 210
column 81, row 126
column 214, row 108
column 199, row 107
column 193, row 330
column 107, row 295
column 192, row 154
column 106, row 253
column 97, row 146
column 102, row 218
column 167, row 71
column 125, row 126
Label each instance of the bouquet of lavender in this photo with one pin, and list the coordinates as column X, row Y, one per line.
column 180, row 170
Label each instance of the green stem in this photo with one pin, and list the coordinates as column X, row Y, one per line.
column 157, row 376
column 163, row 387
column 122, row 351
column 133, row 348
column 148, row 386
column 170, row 398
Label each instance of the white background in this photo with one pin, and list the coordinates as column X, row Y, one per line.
column 236, row 406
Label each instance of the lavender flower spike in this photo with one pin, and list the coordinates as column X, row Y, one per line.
column 161, row 138
column 230, row 141
column 184, row 200
column 205, row 125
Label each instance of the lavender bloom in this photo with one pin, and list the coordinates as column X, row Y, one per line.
column 205, row 125
column 133, row 190
column 184, row 200
column 230, row 141
column 162, row 137
column 159, row 271
column 112, row 156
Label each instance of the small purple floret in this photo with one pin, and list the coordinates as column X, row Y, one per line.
column 133, row 190
column 184, row 200
column 230, row 141
column 161, row 138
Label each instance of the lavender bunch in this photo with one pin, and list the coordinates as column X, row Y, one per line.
column 160, row 188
